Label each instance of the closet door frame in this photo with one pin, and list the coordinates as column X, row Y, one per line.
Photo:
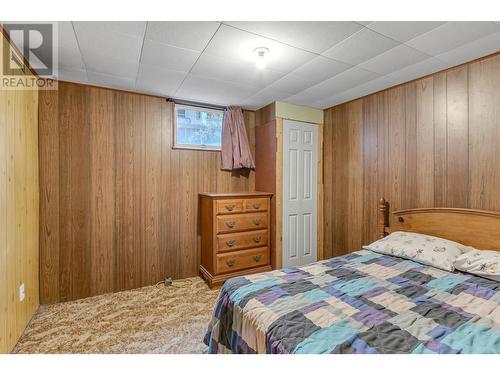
column 279, row 190
column 299, row 193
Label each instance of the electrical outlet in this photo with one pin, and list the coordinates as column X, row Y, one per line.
column 22, row 293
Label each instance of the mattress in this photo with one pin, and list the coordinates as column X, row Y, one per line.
column 363, row 302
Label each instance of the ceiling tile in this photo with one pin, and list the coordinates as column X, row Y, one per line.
column 214, row 91
column 327, row 102
column 299, row 99
column 452, row 35
column 370, row 87
column 69, row 58
column 367, row 88
column 333, row 86
column 471, row 51
column 111, row 65
column 360, row 47
column 403, row 30
column 107, row 80
column 66, row 36
column 310, row 36
column 233, row 70
column 168, row 57
column 72, row 75
column 190, row 35
column 235, row 44
column 155, row 80
column 418, row 70
column 68, row 50
column 320, row 68
column 373, row 86
column 121, row 40
column 393, row 60
column 291, row 84
column 263, row 98
column 69, row 55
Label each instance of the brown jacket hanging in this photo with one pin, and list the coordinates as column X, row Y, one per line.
column 235, row 151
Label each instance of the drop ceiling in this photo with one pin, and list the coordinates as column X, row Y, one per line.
column 316, row 64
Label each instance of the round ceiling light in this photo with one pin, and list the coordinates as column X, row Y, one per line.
column 260, row 56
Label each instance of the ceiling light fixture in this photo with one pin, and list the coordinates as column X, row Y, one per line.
column 260, row 56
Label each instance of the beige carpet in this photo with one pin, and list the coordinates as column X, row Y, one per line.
column 146, row 320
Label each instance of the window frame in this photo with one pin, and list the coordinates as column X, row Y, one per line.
column 181, row 146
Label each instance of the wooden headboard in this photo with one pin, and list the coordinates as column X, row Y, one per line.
column 477, row 228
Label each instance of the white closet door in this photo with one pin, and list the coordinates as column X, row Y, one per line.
column 300, row 176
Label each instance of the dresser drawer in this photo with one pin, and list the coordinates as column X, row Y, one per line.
column 256, row 204
column 233, row 261
column 235, row 241
column 227, row 206
column 236, row 223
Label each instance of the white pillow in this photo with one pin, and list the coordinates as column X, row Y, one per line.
column 485, row 263
column 429, row 250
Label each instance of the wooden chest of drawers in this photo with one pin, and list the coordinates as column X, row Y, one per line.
column 234, row 235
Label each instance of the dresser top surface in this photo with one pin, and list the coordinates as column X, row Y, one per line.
column 237, row 194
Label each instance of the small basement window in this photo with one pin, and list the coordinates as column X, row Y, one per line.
column 197, row 128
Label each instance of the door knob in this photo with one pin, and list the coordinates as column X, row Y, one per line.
column 230, row 243
column 256, row 206
column 230, row 207
column 230, row 224
column 257, row 238
column 257, row 221
column 257, row 257
column 230, row 262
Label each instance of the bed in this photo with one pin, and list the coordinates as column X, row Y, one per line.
column 367, row 302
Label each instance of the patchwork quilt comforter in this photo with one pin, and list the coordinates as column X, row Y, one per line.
column 363, row 302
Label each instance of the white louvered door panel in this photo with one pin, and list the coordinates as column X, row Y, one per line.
column 300, row 176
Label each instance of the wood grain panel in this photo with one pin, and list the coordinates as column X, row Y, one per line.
column 49, row 195
column 440, row 144
column 432, row 142
column 425, row 143
column 119, row 206
column 19, row 202
column 410, row 181
column 355, row 217
column 484, row 134
column 457, row 136
column 327, row 193
column 153, row 191
column 340, row 172
column 371, row 169
column 396, row 148
column 74, row 157
column 265, row 179
column 4, row 290
column 102, row 192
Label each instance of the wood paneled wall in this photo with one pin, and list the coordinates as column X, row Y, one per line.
column 433, row 142
column 119, row 206
column 18, row 211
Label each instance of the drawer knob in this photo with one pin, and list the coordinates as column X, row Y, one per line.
column 256, row 206
column 230, row 224
column 230, row 262
column 230, row 243
column 257, row 238
column 257, row 258
column 230, row 207
column 257, row 221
